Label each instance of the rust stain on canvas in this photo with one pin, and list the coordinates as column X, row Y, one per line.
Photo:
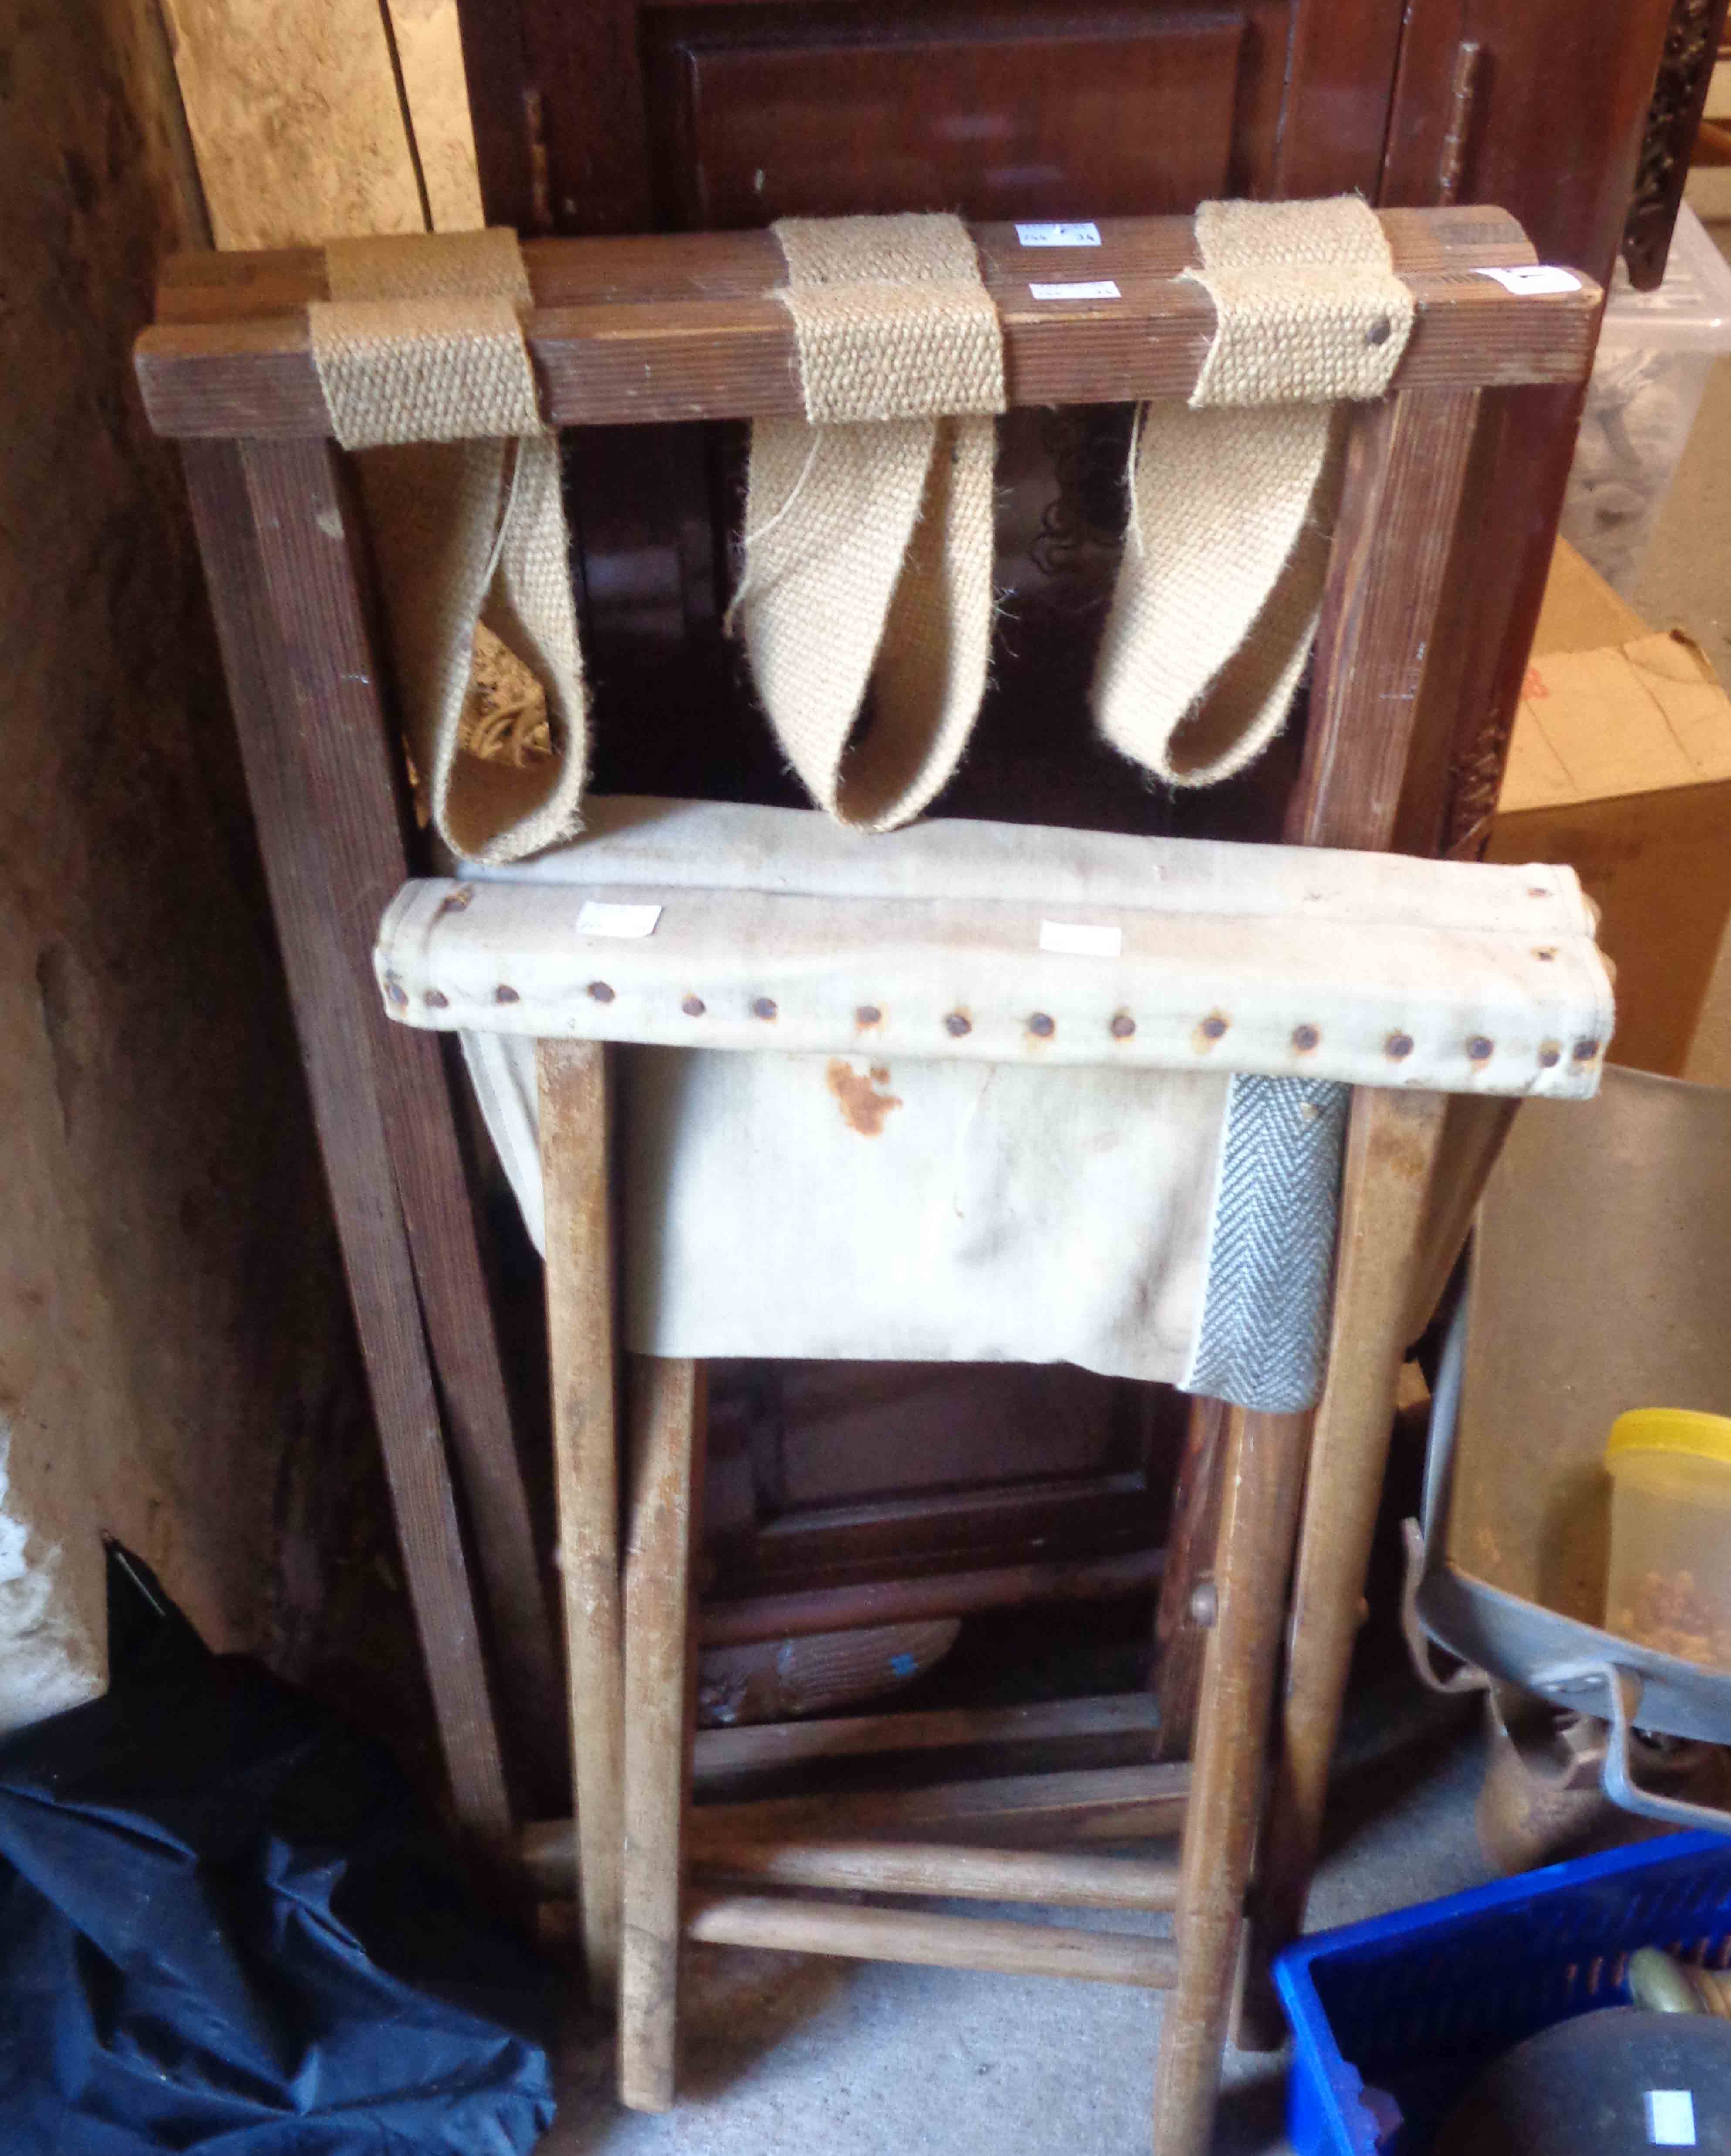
column 863, row 1107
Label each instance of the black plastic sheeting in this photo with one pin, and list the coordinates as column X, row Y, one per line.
column 226, row 1926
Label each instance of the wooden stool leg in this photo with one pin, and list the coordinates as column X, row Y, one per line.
column 282, row 562
column 574, row 1148
column 666, row 1481
column 1180, row 1638
column 1259, row 1514
column 1394, row 1207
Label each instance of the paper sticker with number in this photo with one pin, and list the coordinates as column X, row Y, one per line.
column 1669, row 2118
column 1103, row 288
column 1529, row 279
column 1058, row 235
column 1081, row 939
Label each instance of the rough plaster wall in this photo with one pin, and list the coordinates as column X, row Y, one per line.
column 172, row 1343
column 295, row 111
column 430, row 47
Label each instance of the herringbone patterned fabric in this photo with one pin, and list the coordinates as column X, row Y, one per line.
column 1264, row 1328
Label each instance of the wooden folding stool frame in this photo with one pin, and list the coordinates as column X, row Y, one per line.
column 687, row 328
column 665, row 1873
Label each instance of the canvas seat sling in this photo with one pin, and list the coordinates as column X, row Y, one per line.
column 421, row 355
column 867, row 577
column 865, row 600
column 1231, row 496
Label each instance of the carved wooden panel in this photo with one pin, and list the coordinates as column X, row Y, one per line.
column 1673, row 119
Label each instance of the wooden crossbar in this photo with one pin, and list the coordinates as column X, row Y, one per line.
column 764, row 1747
column 1056, row 1879
column 682, row 327
column 935, row 1941
column 1104, row 1804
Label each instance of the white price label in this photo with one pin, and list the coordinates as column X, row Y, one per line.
column 601, row 916
column 1669, row 2118
column 1531, row 277
column 1081, row 939
column 1104, row 289
column 1058, row 235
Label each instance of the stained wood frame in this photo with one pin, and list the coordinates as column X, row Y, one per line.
column 686, row 1868
column 682, row 327
column 685, row 328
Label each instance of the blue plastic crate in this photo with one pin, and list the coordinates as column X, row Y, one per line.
column 1392, row 2019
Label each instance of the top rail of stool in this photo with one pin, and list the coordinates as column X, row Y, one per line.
column 686, row 325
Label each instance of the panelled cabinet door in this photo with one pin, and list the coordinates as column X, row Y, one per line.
column 715, row 117
column 614, row 115
column 1039, row 114
column 595, row 115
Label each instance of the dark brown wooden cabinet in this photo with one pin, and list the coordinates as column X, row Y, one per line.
column 598, row 115
column 1552, row 133
column 1022, row 114
column 618, row 115
column 615, row 115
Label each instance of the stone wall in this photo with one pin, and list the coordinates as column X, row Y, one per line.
column 175, row 1363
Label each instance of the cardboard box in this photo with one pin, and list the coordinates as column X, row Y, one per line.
column 1621, row 765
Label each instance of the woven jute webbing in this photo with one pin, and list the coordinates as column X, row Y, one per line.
column 1232, row 497
column 868, row 543
column 421, row 354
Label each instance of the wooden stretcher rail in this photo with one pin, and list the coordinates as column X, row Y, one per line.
column 767, row 1746
column 738, row 1623
column 682, row 327
column 1096, row 1804
column 935, row 1940
column 1027, row 1811
column 1059, row 1880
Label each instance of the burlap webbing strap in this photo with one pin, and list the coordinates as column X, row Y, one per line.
column 421, row 354
column 868, row 544
column 1231, row 497
column 890, row 319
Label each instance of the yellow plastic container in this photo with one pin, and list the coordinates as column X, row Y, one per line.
column 1670, row 1582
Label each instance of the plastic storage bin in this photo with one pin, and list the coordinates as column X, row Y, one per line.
column 1393, row 2018
column 1656, row 350
column 1669, row 1582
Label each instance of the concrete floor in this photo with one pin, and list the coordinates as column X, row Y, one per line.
column 790, row 2057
